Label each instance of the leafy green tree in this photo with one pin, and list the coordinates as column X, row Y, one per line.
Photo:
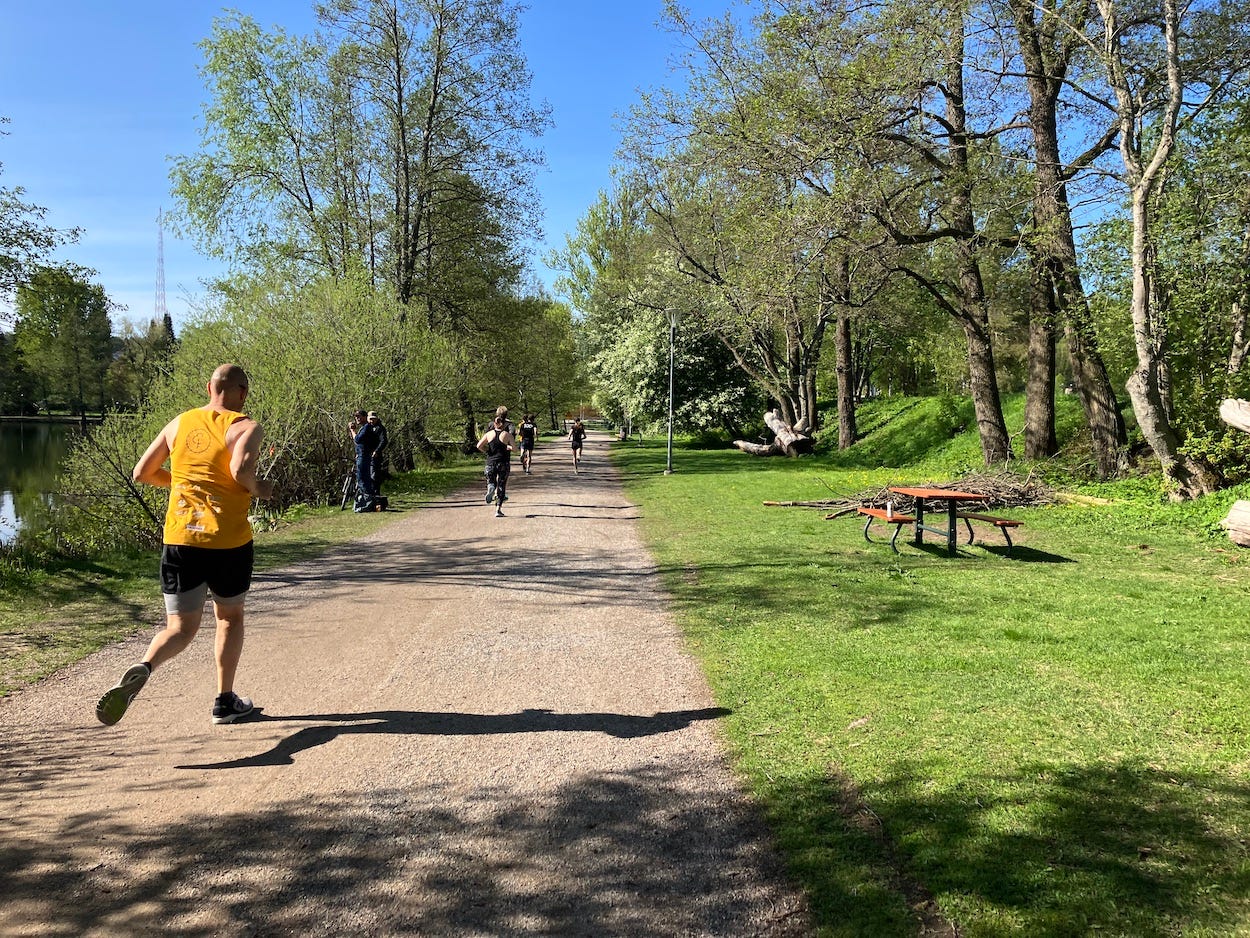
column 65, row 335
column 367, row 147
column 313, row 356
column 17, row 388
column 25, row 241
column 1164, row 68
column 138, row 360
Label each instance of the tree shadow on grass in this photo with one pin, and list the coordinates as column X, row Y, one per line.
column 1049, row 849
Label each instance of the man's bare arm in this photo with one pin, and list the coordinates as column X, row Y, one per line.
column 245, row 460
column 150, row 469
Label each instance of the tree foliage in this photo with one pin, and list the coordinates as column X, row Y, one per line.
column 64, row 336
column 25, row 240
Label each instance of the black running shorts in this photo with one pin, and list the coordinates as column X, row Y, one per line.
column 226, row 572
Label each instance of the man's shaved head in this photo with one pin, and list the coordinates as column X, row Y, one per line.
column 228, row 376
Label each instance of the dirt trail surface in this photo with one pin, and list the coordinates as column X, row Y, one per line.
column 472, row 726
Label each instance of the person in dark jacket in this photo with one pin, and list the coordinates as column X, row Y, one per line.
column 377, row 464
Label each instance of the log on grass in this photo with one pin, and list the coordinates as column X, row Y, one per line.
column 1236, row 413
column 1237, row 523
column 758, row 449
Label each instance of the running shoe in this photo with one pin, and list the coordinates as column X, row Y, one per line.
column 498, row 512
column 112, row 706
column 490, row 492
column 230, row 707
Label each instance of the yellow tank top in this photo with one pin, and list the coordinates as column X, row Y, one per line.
column 207, row 507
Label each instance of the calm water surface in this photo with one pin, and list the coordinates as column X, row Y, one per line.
column 30, row 455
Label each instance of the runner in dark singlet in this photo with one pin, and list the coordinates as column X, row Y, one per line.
column 576, row 436
column 529, row 432
column 496, row 443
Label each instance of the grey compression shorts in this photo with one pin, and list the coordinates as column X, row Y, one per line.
column 188, row 574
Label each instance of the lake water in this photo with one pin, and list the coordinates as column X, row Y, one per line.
column 30, row 454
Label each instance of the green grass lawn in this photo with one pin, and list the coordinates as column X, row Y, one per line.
column 54, row 611
column 1051, row 743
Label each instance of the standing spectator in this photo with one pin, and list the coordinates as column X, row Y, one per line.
column 377, row 463
column 365, row 436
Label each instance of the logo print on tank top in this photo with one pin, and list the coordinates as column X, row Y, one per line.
column 198, row 441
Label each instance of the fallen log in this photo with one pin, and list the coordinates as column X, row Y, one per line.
column 1236, row 413
column 758, row 449
column 823, row 503
column 1237, row 523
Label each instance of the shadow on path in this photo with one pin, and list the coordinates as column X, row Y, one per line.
column 426, row 723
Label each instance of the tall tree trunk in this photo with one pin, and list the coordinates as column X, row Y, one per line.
column 846, row 382
column 1045, row 48
column 1040, row 441
column 973, row 307
column 995, row 443
column 1147, row 384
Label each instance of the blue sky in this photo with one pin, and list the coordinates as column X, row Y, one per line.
column 100, row 95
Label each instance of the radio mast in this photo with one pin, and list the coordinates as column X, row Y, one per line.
column 162, row 312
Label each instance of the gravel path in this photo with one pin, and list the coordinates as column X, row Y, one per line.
column 471, row 726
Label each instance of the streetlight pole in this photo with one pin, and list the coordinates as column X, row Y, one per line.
column 672, row 329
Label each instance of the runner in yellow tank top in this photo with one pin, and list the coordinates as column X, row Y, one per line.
column 207, row 507
column 213, row 453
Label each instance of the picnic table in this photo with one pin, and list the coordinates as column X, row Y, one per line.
column 952, row 498
column 954, row 514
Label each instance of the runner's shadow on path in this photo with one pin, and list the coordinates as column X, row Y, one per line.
column 433, row 723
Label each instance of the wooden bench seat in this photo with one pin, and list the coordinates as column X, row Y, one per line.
column 1003, row 524
column 898, row 519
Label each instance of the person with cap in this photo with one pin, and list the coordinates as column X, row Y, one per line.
column 376, row 463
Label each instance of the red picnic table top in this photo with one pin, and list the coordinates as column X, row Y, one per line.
column 935, row 493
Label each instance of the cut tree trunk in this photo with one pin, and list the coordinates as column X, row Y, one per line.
column 788, row 441
column 1236, row 413
column 1237, row 523
column 791, row 442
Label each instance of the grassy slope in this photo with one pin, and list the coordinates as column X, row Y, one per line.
column 1052, row 743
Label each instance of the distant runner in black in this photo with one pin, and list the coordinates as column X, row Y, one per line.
column 529, row 432
column 576, row 436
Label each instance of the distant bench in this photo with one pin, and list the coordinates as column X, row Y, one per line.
column 1003, row 524
column 880, row 514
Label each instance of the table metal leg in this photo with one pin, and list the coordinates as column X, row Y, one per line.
column 919, row 538
column 951, row 522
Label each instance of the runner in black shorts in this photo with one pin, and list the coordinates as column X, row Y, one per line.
column 576, row 436
column 213, row 454
column 529, row 432
column 189, row 574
